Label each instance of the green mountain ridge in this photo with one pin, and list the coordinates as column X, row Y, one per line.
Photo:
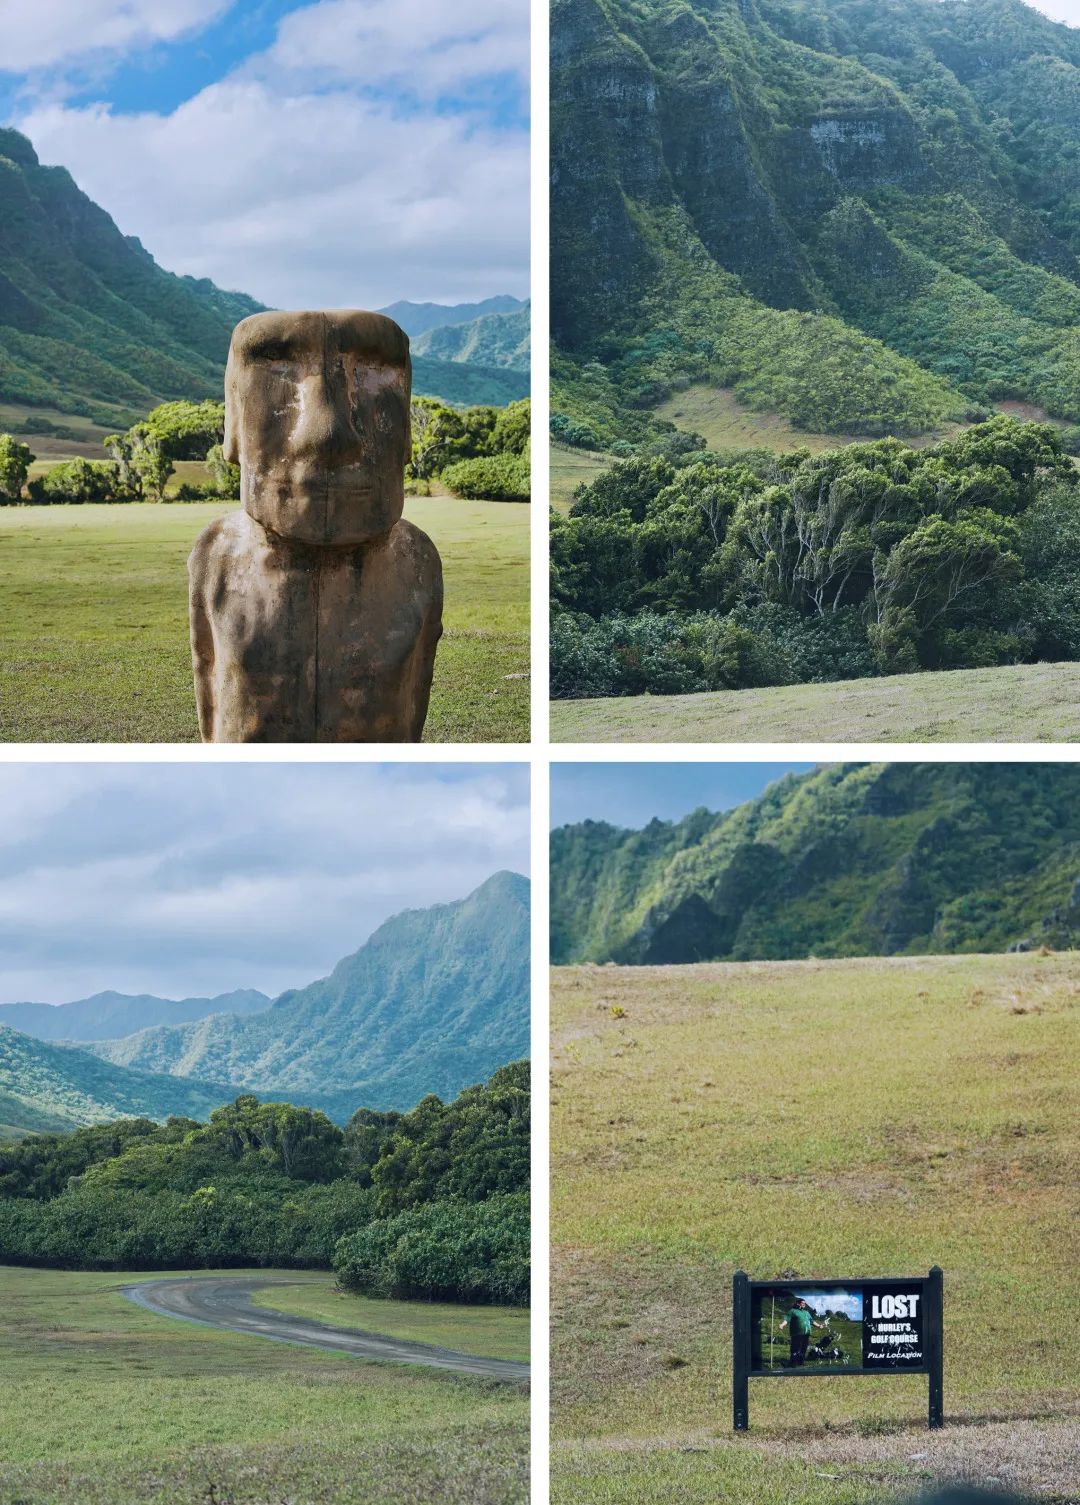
column 848, row 860
column 861, row 214
column 497, row 339
column 434, row 1001
column 53, row 1088
column 89, row 323
column 109, row 1016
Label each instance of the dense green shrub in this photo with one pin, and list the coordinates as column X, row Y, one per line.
column 15, row 462
column 78, row 481
column 275, row 1184
column 443, row 1251
column 500, row 478
column 688, row 570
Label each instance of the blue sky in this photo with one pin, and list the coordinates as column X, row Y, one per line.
column 631, row 794
column 188, row 880
column 333, row 152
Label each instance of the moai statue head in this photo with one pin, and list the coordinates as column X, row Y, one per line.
column 317, row 418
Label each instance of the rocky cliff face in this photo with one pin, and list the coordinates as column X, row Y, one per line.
column 722, row 135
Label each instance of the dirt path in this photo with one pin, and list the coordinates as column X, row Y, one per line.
column 214, row 1301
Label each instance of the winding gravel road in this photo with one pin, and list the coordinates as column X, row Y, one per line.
column 213, row 1301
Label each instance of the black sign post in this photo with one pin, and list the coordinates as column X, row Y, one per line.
column 811, row 1328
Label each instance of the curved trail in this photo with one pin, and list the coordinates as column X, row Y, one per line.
column 226, row 1302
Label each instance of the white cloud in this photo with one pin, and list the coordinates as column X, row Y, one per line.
column 1059, row 10
column 412, row 46
column 183, row 880
column 306, row 178
column 53, row 32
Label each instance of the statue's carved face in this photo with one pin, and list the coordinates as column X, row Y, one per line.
column 317, row 417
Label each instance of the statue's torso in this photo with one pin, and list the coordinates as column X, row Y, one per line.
column 299, row 644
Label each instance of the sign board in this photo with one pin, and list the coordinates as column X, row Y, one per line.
column 798, row 1328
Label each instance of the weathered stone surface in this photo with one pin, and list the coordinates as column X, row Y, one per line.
column 315, row 612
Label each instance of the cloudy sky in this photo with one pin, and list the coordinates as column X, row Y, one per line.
column 631, row 794
column 342, row 152
column 186, row 881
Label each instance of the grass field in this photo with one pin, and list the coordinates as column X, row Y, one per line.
column 104, row 1403
column 821, row 1119
column 495, row 1332
column 1025, row 703
column 571, row 468
column 726, row 423
column 94, row 634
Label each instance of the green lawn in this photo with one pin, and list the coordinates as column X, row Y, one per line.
column 94, row 635
column 104, row 1403
column 495, row 1332
column 835, row 1118
column 1026, row 703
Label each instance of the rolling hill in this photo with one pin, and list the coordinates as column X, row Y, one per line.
column 108, row 1016
column 45, row 1088
column 435, row 1000
column 861, row 216
column 849, row 860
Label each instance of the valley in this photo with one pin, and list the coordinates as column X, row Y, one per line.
column 879, row 1115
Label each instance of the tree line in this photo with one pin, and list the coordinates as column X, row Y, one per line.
column 475, row 452
column 432, row 1203
column 686, row 570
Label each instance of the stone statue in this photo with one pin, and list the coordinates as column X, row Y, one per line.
column 315, row 612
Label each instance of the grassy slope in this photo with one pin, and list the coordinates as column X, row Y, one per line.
column 94, row 636
column 105, row 1403
column 726, row 423
column 571, row 468
column 1022, row 703
column 495, row 1332
column 932, row 1118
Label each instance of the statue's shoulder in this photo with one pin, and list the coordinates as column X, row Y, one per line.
column 224, row 538
column 410, row 543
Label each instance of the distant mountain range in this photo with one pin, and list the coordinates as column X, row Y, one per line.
column 435, row 1000
column 849, row 860
column 418, row 319
column 108, row 1016
column 489, row 340
column 91, row 326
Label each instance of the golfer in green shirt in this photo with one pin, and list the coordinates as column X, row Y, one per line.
column 799, row 1323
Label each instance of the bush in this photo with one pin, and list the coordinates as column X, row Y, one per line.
column 443, row 1251
column 498, row 478
column 77, row 482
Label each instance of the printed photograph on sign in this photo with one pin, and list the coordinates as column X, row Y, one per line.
column 812, row 1329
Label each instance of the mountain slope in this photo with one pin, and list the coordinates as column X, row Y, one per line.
column 435, row 1000
column 849, row 860
column 490, row 340
column 861, row 214
column 417, row 318
column 468, row 385
column 51, row 1087
column 89, row 323
column 109, row 1016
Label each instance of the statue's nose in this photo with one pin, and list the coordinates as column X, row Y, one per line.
column 323, row 423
